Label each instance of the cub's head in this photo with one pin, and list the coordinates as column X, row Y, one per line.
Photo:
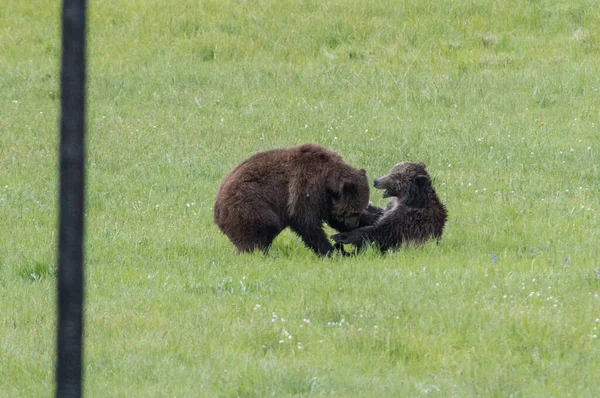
column 349, row 198
column 408, row 181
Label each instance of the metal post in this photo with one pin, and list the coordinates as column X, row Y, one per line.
column 71, row 211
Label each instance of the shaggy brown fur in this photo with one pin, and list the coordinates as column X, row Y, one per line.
column 297, row 187
column 413, row 215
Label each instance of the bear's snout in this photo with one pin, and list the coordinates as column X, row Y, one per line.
column 380, row 182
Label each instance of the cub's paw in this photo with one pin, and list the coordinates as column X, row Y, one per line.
column 341, row 237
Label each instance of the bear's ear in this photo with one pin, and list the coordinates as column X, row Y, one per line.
column 423, row 181
column 417, row 192
column 363, row 175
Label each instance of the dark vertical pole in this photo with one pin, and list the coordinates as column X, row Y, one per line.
column 71, row 211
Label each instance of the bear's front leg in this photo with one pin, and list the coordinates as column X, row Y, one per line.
column 318, row 242
column 370, row 216
column 357, row 237
column 314, row 237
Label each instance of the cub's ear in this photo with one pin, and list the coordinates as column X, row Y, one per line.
column 417, row 192
column 423, row 181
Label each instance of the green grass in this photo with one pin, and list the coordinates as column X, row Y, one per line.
column 499, row 98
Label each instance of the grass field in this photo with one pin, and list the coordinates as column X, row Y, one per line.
column 499, row 98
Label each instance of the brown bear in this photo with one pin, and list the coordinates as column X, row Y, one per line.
column 298, row 187
column 413, row 215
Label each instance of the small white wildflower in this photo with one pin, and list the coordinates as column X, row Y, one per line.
column 306, row 126
column 256, row 307
column 594, row 336
column 281, row 341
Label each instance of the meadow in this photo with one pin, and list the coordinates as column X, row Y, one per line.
column 499, row 98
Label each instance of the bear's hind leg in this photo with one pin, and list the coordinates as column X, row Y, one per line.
column 255, row 228
column 260, row 239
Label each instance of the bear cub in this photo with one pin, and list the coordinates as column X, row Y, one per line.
column 413, row 215
column 298, row 187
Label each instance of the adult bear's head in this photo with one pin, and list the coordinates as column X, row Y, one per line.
column 408, row 181
column 349, row 193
